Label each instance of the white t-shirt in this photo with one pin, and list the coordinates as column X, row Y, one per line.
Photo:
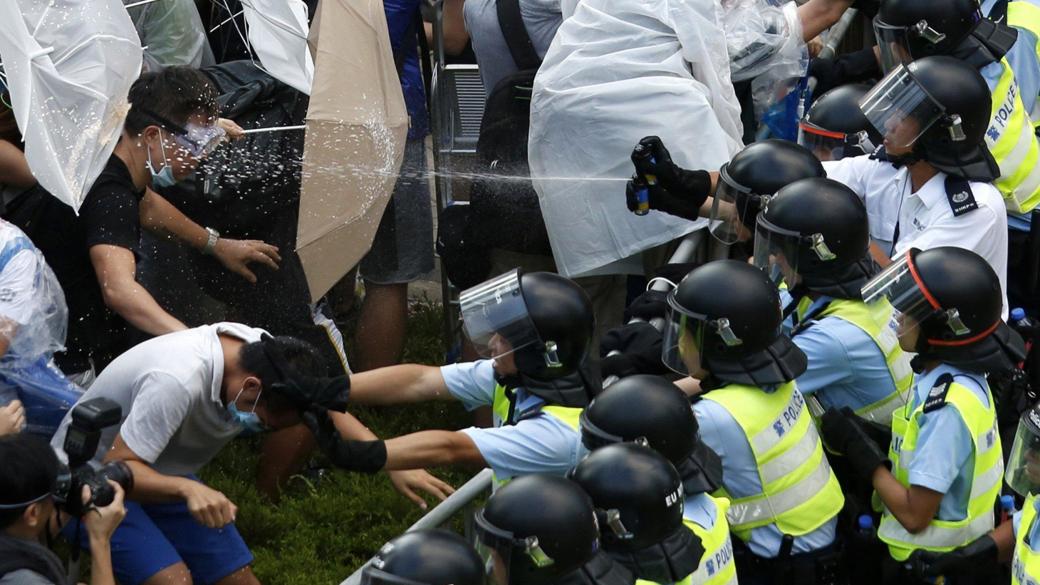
column 169, row 388
column 926, row 219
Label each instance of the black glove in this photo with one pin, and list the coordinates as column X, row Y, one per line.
column 842, row 432
column 649, row 305
column 677, row 191
column 364, row 456
column 640, row 346
column 848, row 68
column 975, row 556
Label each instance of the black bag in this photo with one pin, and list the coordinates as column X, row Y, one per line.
column 504, row 203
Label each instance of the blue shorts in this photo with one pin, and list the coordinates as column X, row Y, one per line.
column 155, row 536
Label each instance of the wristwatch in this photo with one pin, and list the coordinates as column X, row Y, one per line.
column 211, row 243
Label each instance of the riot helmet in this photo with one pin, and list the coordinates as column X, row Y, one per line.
column 939, row 107
column 652, row 410
column 544, row 322
column 907, row 30
column 1023, row 467
column 425, row 557
column 751, row 177
column 949, row 299
column 813, row 235
column 724, row 318
column 542, row 530
column 834, row 127
column 638, row 497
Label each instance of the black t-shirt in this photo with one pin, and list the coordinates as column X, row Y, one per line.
column 110, row 212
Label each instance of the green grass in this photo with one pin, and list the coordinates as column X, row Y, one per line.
column 320, row 532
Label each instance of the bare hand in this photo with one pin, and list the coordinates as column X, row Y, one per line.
column 234, row 131
column 12, row 418
column 409, row 480
column 236, row 255
column 208, row 506
column 102, row 522
column 815, row 45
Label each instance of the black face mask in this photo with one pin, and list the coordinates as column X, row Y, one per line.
column 668, row 561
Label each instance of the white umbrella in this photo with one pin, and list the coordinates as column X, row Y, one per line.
column 277, row 31
column 69, row 67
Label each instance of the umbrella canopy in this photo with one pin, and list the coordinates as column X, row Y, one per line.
column 69, row 67
column 356, row 128
column 277, row 31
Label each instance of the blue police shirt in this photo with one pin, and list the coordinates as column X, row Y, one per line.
column 944, row 457
column 538, row 444
column 720, row 431
column 846, row 367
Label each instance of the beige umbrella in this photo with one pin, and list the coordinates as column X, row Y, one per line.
column 356, row 129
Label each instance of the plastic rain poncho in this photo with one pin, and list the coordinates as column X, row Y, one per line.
column 33, row 319
column 619, row 70
column 172, row 34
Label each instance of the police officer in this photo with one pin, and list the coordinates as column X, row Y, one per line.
column 638, row 497
column 834, row 127
column 735, row 190
column 946, row 459
column 812, row 236
column 724, row 328
column 651, row 410
column 536, row 329
column 1024, row 56
column 542, row 530
column 425, row 557
column 932, row 188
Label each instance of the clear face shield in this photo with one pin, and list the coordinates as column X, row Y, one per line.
column 1023, row 467
column 495, row 318
column 830, row 146
column 497, row 548
column 777, row 251
column 684, row 338
column 731, row 204
column 895, row 42
column 901, row 109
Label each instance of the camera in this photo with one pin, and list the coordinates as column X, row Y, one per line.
column 89, row 419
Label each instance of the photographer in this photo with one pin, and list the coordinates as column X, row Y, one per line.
column 29, row 499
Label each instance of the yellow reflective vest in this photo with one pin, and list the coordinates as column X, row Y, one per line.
column 799, row 490
column 1013, row 143
column 1025, row 564
column 981, row 421
column 717, row 566
column 1025, row 15
column 501, row 407
column 875, row 320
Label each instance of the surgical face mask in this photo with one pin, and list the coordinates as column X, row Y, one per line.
column 163, row 177
column 249, row 421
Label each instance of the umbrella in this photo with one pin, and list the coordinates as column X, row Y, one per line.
column 356, row 127
column 277, row 31
column 69, row 66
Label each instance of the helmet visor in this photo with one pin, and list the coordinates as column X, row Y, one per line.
column 683, row 338
column 776, row 252
column 495, row 318
column 900, row 108
column 1023, row 468
column 900, row 284
column 829, row 146
column 373, row 576
column 496, row 548
column 893, row 45
column 732, row 207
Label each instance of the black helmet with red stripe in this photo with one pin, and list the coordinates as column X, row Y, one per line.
column 949, row 302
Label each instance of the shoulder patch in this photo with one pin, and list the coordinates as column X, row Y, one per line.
column 937, row 395
column 960, row 196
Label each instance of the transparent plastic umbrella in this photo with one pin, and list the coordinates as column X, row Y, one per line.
column 69, row 66
column 277, row 32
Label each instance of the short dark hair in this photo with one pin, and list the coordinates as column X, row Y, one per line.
column 301, row 358
column 29, row 470
column 169, row 97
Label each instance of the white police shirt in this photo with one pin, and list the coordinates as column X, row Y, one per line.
column 928, row 218
column 536, row 444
